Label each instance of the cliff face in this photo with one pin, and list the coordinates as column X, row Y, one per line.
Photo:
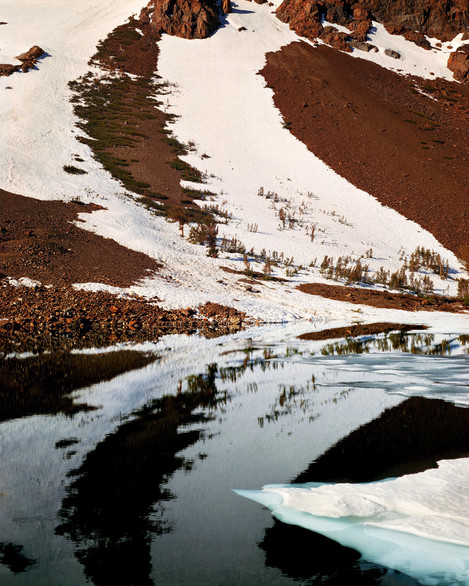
column 414, row 19
column 442, row 19
column 189, row 19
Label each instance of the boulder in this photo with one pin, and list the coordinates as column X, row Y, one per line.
column 361, row 46
column 7, row 69
column 336, row 39
column 33, row 54
column 458, row 63
column 391, row 53
column 28, row 60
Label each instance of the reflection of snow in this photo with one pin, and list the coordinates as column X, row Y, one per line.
column 417, row 524
column 332, row 396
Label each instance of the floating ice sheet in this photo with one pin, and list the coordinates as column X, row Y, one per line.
column 417, row 524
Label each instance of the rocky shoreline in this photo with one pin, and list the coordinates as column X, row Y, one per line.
column 40, row 319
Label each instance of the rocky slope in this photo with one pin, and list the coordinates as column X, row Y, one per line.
column 442, row 19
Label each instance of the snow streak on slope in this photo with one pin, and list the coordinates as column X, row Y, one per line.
column 225, row 108
column 37, row 136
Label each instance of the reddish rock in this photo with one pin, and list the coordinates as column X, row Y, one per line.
column 28, row 60
column 360, row 29
column 360, row 12
column 458, row 63
column 7, row 69
column 303, row 17
column 189, row 19
column 418, row 38
column 338, row 13
column 442, row 19
column 33, row 54
column 436, row 18
column 226, row 6
column 336, row 39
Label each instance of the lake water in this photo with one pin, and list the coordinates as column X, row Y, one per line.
column 119, row 467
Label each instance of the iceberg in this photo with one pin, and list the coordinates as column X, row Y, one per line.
column 417, row 524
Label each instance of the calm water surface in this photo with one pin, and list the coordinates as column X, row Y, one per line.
column 118, row 468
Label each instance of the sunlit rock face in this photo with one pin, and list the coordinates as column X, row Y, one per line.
column 181, row 18
column 435, row 18
column 414, row 19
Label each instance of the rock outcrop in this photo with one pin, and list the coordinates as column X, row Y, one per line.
column 189, row 19
column 442, row 19
column 458, row 63
column 28, row 59
column 331, row 36
column 414, row 19
column 32, row 55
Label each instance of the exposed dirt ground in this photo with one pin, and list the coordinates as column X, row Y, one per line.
column 359, row 330
column 39, row 240
column 377, row 130
column 131, row 136
column 384, row 299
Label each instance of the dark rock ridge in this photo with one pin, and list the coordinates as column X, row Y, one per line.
column 189, row 19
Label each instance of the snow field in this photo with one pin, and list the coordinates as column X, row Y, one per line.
column 236, row 125
column 225, row 108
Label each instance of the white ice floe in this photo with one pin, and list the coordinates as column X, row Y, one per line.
column 417, row 524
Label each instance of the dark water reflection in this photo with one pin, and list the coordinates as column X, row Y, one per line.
column 42, row 384
column 12, row 557
column 150, row 503
column 107, row 509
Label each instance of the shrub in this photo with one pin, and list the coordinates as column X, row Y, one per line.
column 74, row 170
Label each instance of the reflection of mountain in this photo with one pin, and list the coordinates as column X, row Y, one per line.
column 40, row 384
column 405, row 439
column 120, row 485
